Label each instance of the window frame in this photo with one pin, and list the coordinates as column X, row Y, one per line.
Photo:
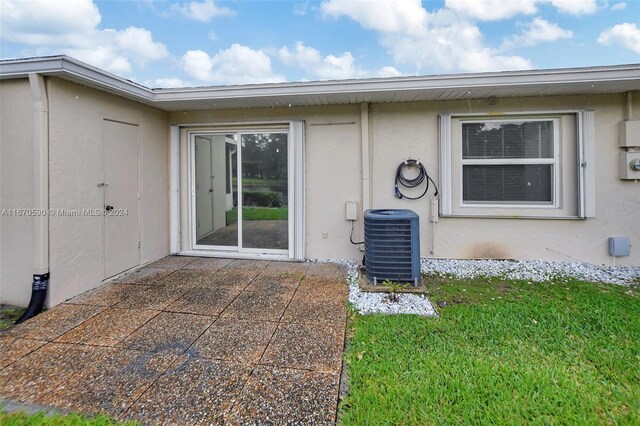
column 554, row 161
column 579, row 166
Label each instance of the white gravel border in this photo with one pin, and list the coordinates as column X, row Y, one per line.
column 531, row 270
column 527, row 270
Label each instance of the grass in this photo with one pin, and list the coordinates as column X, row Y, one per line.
column 43, row 419
column 261, row 182
column 258, row 213
column 501, row 353
column 8, row 315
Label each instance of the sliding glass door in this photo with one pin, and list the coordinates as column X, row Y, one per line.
column 240, row 191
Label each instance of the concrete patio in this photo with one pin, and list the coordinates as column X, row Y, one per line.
column 189, row 341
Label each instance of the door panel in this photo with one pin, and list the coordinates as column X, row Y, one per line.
column 264, row 198
column 204, row 194
column 121, row 197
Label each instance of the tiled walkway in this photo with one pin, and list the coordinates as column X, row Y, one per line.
column 189, row 341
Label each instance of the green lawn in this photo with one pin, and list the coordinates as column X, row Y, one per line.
column 261, row 182
column 42, row 419
column 258, row 213
column 501, row 353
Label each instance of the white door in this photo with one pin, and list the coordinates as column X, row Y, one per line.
column 121, row 197
column 204, row 187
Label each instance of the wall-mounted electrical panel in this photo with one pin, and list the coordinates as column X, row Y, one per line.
column 629, row 134
column 351, row 210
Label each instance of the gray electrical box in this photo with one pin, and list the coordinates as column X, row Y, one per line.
column 619, row 246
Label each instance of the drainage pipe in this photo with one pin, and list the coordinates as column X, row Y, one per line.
column 40, row 281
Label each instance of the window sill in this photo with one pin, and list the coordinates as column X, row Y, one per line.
column 493, row 216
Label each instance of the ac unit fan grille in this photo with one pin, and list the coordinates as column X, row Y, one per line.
column 392, row 245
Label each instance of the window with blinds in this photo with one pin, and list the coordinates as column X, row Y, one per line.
column 509, row 162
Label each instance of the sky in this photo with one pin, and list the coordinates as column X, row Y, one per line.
column 215, row 42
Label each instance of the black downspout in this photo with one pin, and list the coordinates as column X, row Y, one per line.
column 38, row 296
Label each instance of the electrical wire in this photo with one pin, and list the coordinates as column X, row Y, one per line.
column 402, row 180
column 351, row 236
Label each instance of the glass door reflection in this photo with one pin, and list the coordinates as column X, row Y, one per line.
column 216, row 192
column 264, row 173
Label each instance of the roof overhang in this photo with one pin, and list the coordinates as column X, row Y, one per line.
column 567, row 81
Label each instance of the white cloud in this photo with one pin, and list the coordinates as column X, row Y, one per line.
column 535, row 32
column 236, row 65
column 38, row 21
column 71, row 28
column 168, row 83
column 626, row 35
column 619, row 6
column 201, row 11
column 388, row 16
column 138, row 42
column 440, row 41
column 493, row 10
column 330, row 67
column 388, row 71
column 575, row 7
column 454, row 47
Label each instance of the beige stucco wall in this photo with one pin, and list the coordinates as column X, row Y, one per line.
column 75, row 126
column 76, row 116
column 399, row 131
column 411, row 130
column 333, row 167
column 16, row 191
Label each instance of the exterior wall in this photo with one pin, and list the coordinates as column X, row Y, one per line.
column 333, row 168
column 76, row 115
column 399, row 131
column 16, row 191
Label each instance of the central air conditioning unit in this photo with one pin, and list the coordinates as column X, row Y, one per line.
column 392, row 246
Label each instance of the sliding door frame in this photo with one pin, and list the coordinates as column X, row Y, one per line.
column 186, row 240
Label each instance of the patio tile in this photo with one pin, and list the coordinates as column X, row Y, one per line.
column 109, row 327
column 231, row 280
column 152, row 297
column 327, row 270
column 309, row 309
column 270, row 284
column 282, row 396
column 235, row 340
column 111, row 386
column 46, row 370
column 195, row 391
column 287, row 268
column 172, row 262
column 186, row 278
column 13, row 349
column 105, row 295
column 53, row 323
column 210, row 263
column 203, row 301
column 168, row 333
column 144, row 276
column 324, row 288
column 247, row 264
column 306, row 347
column 258, row 306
